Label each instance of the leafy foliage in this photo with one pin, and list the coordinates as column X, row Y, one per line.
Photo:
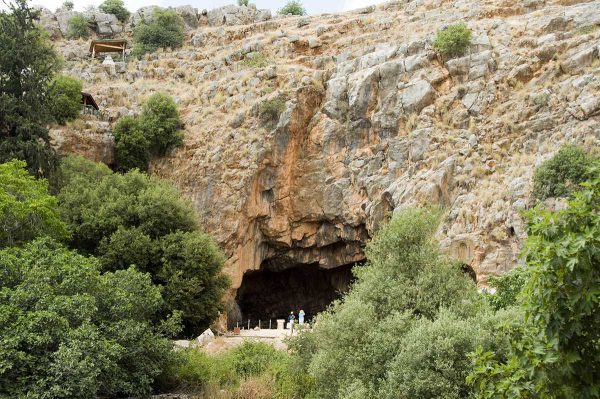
column 135, row 219
column 24, row 99
column 453, row 41
column 68, row 5
column 70, row 332
column 165, row 30
column 27, row 210
column 116, row 8
column 131, row 145
column 66, row 98
column 243, row 3
column 160, row 123
column 293, row 7
column 367, row 342
column 78, row 27
column 561, row 175
column 508, row 288
column 554, row 350
column 155, row 132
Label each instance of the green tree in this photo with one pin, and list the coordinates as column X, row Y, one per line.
column 293, row 7
column 131, row 145
column 24, row 99
column 78, row 27
column 136, row 219
column 395, row 303
column 561, row 175
column 243, row 3
column 116, row 8
column 68, row 5
column 453, row 41
column 190, row 272
column 165, row 30
column 554, row 351
column 70, row 332
column 161, row 124
column 27, row 210
column 65, row 93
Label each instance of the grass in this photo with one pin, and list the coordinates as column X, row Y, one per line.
column 256, row 60
column 253, row 370
column 587, row 29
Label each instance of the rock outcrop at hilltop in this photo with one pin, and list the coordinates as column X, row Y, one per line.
column 374, row 121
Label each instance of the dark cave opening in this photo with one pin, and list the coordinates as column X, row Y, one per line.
column 269, row 295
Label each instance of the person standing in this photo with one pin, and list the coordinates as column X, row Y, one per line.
column 291, row 319
column 301, row 317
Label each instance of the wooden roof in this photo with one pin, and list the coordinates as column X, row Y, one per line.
column 108, row 45
column 87, row 99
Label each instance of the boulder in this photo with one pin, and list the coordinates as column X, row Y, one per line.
column 205, row 338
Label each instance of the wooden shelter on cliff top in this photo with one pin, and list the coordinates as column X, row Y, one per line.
column 108, row 46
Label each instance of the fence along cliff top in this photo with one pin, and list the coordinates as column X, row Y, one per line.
column 108, row 46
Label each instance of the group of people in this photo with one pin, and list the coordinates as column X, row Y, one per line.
column 292, row 318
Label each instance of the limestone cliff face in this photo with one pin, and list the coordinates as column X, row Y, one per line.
column 374, row 121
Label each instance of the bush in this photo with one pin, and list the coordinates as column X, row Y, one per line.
column 553, row 351
column 160, row 123
column 65, row 95
column 453, row 41
column 270, row 111
column 27, row 210
column 78, row 27
column 166, row 30
column 131, row 145
column 508, row 287
column 561, row 175
column 68, row 5
column 255, row 60
column 140, row 220
column 293, row 7
column 70, row 332
column 116, row 8
column 391, row 313
column 243, row 3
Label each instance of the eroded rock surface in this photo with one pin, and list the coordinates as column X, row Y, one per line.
column 374, row 121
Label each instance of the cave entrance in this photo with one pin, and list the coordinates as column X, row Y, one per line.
column 269, row 295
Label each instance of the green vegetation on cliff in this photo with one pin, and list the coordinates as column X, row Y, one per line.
column 135, row 219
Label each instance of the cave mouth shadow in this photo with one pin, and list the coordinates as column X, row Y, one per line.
column 269, row 295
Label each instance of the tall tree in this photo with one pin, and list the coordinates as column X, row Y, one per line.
column 28, row 64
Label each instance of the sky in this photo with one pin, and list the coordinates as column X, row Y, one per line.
column 312, row 6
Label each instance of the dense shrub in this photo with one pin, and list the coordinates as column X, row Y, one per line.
column 24, row 99
column 66, row 104
column 508, row 287
column 553, row 351
column 78, row 27
column 453, row 41
column 243, row 3
column 160, row 123
column 293, row 7
column 27, row 210
column 165, row 30
column 367, row 342
column 68, row 5
column 131, row 145
column 270, row 111
column 135, row 219
column 116, row 8
column 247, row 369
column 70, row 332
column 561, row 175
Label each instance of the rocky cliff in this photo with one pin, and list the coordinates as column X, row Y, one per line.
column 374, row 121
